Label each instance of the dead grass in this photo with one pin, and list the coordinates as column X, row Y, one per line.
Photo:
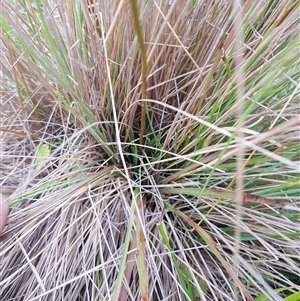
column 143, row 192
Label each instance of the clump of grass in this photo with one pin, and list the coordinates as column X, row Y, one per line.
column 130, row 169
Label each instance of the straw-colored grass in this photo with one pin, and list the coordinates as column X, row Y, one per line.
column 150, row 150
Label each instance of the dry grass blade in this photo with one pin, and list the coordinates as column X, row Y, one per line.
column 123, row 135
column 141, row 251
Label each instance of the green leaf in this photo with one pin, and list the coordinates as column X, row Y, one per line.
column 41, row 154
column 265, row 297
column 293, row 297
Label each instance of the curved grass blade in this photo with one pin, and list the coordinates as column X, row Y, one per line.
column 212, row 246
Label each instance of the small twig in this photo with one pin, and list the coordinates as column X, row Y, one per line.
column 18, row 133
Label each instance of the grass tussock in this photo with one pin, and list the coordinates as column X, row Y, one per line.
column 150, row 150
